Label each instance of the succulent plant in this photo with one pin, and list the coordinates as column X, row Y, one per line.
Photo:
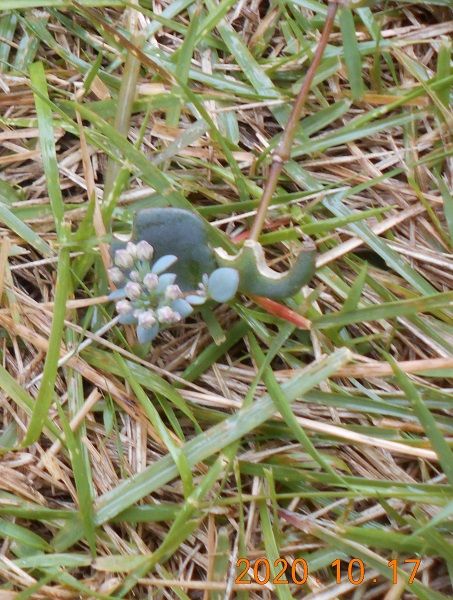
column 151, row 299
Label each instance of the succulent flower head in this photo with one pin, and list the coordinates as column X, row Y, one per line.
column 149, row 297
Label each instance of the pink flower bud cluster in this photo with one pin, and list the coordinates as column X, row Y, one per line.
column 147, row 296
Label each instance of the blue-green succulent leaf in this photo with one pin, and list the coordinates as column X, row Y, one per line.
column 223, row 284
column 196, row 300
column 180, row 232
column 182, row 307
column 147, row 334
column 257, row 278
column 164, row 281
column 118, row 294
column 163, row 263
column 127, row 319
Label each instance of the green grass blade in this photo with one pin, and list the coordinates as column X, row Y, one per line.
column 444, row 69
column 339, row 540
column 146, row 378
column 47, row 386
column 427, row 420
column 272, row 551
column 22, row 535
column 187, row 521
column 389, row 310
column 394, row 261
column 82, row 477
column 155, row 419
column 282, row 404
column 8, row 23
column 183, row 59
column 22, row 398
column 23, row 4
column 26, row 233
column 47, row 142
column 204, row 445
column 351, row 52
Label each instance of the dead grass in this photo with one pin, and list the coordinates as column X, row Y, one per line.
column 361, row 469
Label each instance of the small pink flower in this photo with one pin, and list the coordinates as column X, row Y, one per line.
column 132, row 249
column 123, row 307
column 173, row 292
column 116, row 275
column 167, row 315
column 147, row 318
column 133, row 290
column 150, row 281
column 144, row 251
column 123, row 259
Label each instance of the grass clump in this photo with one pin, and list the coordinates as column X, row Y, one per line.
column 313, row 432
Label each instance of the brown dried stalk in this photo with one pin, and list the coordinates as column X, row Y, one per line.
column 282, row 153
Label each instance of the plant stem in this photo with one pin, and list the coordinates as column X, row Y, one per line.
column 282, row 152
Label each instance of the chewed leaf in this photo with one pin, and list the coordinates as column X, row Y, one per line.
column 182, row 307
column 118, row 294
column 163, row 263
column 258, row 279
column 223, row 284
column 196, row 300
column 147, row 334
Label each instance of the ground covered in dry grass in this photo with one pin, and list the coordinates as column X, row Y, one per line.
column 149, row 473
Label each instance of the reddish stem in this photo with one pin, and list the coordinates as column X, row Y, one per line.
column 282, row 312
column 282, row 152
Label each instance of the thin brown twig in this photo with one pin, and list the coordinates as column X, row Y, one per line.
column 282, row 152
